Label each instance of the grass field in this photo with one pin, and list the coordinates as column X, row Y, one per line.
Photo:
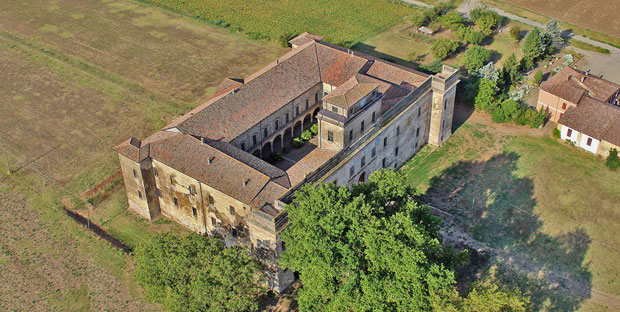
column 341, row 22
column 596, row 20
column 399, row 42
column 586, row 46
column 76, row 79
column 536, row 199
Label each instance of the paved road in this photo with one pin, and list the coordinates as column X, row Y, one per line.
column 607, row 65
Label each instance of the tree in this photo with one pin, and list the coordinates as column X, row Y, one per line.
column 532, row 47
column 489, row 71
column 613, row 162
column 371, row 248
column 485, row 19
column 511, row 69
column 554, row 33
column 538, row 77
column 198, row 273
column 515, row 33
column 452, row 20
column 476, row 57
column 490, row 298
column 443, row 47
column 485, row 99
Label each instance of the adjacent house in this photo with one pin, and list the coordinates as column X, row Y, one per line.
column 586, row 108
column 207, row 170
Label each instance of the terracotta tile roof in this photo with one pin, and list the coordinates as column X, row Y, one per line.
column 391, row 93
column 612, row 135
column 572, row 84
column 227, row 85
column 591, row 117
column 225, row 173
column 308, row 164
column 304, row 38
column 350, row 92
column 404, row 77
column 236, row 112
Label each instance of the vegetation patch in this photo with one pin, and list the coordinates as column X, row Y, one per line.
column 341, row 22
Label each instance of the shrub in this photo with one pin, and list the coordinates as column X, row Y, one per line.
column 538, row 76
column 535, row 118
column 613, row 162
column 443, row 47
column 476, row 57
column 297, row 142
column 314, row 129
column 274, row 157
column 418, row 20
column 306, row 135
column 556, row 133
column 474, row 37
column 515, row 33
column 485, row 19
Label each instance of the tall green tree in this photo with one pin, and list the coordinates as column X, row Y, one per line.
column 369, row 248
column 487, row 92
column 511, row 70
column 532, row 47
column 198, row 273
column 476, row 57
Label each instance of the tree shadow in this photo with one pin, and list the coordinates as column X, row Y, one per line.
column 495, row 206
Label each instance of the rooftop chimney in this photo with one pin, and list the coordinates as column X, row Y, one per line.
column 245, row 182
column 277, row 61
column 202, row 140
column 583, row 78
column 211, row 159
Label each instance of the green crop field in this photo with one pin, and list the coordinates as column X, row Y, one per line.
column 341, row 22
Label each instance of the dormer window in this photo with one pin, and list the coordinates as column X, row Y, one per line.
column 135, row 173
column 192, row 190
column 335, row 109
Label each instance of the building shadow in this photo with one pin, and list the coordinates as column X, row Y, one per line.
column 495, row 206
column 371, row 50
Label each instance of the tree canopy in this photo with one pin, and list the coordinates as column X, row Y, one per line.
column 197, row 273
column 476, row 57
column 511, row 69
column 485, row 19
column 554, row 33
column 533, row 47
column 443, row 47
column 369, row 248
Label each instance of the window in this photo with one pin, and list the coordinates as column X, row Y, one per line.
column 307, row 104
column 296, row 110
column 445, row 104
column 417, row 132
column 172, row 180
column 334, row 109
column 419, row 111
column 316, row 97
column 330, row 136
column 194, row 212
column 283, row 246
column 232, row 210
column 254, row 140
column 385, row 142
column 158, row 192
column 243, row 146
column 234, row 232
column 176, row 201
column 351, row 171
column 398, row 131
column 396, row 151
column 155, row 172
column 373, row 152
column 569, row 132
column 211, row 201
column 363, row 162
column 277, row 125
column 135, row 173
column 563, row 105
column 443, row 124
column 213, row 221
column 383, row 163
column 192, row 190
column 589, row 142
column 560, row 115
column 139, row 194
column 287, row 118
column 265, row 132
column 351, row 135
column 374, row 117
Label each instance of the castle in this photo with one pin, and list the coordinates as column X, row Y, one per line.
column 207, row 171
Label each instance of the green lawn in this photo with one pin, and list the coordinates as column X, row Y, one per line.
column 528, row 192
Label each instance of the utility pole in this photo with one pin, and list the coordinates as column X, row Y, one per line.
column 6, row 157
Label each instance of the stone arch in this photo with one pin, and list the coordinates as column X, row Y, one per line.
column 277, row 143
column 266, row 150
column 287, row 136
column 362, row 178
column 307, row 121
column 256, row 153
column 316, row 112
column 297, row 129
